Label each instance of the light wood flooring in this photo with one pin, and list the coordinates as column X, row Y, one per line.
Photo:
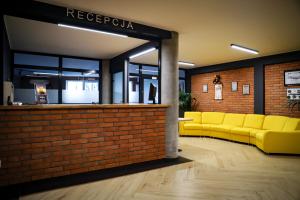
column 220, row 170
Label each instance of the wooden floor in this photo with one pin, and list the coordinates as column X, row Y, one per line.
column 220, row 170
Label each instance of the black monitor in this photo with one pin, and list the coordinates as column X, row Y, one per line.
column 152, row 93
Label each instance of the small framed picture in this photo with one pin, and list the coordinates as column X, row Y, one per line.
column 292, row 77
column 205, row 88
column 234, row 86
column 246, row 89
column 218, row 91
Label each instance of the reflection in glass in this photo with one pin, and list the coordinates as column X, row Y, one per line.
column 80, row 64
column 35, row 60
column 149, row 70
column 181, row 73
column 118, row 87
column 133, row 69
column 80, row 87
column 24, row 80
column 134, row 89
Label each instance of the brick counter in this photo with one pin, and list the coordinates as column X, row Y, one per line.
column 56, row 141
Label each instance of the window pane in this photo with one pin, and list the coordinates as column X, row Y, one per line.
column 80, row 64
column 133, row 69
column 150, row 70
column 36, row 60
column 80, row 87
column 182, row 85
column 118, row 87
column 134, row 89
column 25, row 80
column 182, row 73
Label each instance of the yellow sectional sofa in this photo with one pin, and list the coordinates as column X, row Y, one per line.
column 270, row 133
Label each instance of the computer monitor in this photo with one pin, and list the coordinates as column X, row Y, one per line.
column 152, row 93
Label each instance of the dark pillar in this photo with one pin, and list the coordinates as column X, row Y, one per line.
column 259, row 88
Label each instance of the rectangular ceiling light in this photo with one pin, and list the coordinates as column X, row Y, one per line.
column 238, row 47
column 45, row 73
column 92, row 30
column 90, row 72
column 186, row 63
column 142, row 53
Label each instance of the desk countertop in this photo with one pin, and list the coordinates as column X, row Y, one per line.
column 81, row 106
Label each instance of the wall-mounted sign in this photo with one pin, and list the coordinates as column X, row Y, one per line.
column 292, row 77
column 218, row 91
column 100, row 19
column 246, row 89
column 84, row 19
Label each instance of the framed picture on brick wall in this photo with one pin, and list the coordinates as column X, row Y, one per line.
column 246, row 89
column 292, row 77
column 234, row 86
column 205, row 88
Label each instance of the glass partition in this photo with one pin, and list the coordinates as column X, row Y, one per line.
column 80, row 87
column 134, row 89
column 73, row 80
column 117, row 82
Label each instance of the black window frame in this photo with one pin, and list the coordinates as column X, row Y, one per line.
column 59, row 68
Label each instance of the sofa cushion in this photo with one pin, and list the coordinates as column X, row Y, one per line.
column 241, row 131
column 196, row 116
column 292, row 124
column 274, row 123
column 234, row 119
column 206, row 126
column 254, row 131
column 254, row 121
column 212, row 117
column 221, row 128
column 192, row 126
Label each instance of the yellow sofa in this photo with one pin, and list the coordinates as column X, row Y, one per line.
column 270, row 133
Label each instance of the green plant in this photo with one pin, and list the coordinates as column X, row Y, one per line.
column 185, row 101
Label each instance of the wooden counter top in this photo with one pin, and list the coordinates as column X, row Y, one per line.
column 81, row 106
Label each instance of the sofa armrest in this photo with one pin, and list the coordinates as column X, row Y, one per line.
column 281, row 141
column 181, row 127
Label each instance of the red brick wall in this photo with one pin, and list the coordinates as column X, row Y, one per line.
column 275, row 91
column 233, row 102
column 38, row 144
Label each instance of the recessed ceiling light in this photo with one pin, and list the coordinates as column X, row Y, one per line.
column 92, row 30
column 186, row 63
column 238, row 47
column 142, row 53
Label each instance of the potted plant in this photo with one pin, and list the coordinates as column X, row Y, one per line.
column 185, row 100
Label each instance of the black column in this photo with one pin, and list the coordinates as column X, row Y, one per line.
column 188, row 82
column 1, row 60
column 259, row 88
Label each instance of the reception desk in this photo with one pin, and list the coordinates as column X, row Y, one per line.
column 43, row 141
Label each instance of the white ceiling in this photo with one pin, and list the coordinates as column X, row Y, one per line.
column 149, row 58
column 36, row 36
column 206, row 27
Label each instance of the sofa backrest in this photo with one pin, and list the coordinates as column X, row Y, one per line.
column 254, row 121
column 292, row 124
column 196, row 116
column 234, row 119
column 274, row 123
column 212, row 117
